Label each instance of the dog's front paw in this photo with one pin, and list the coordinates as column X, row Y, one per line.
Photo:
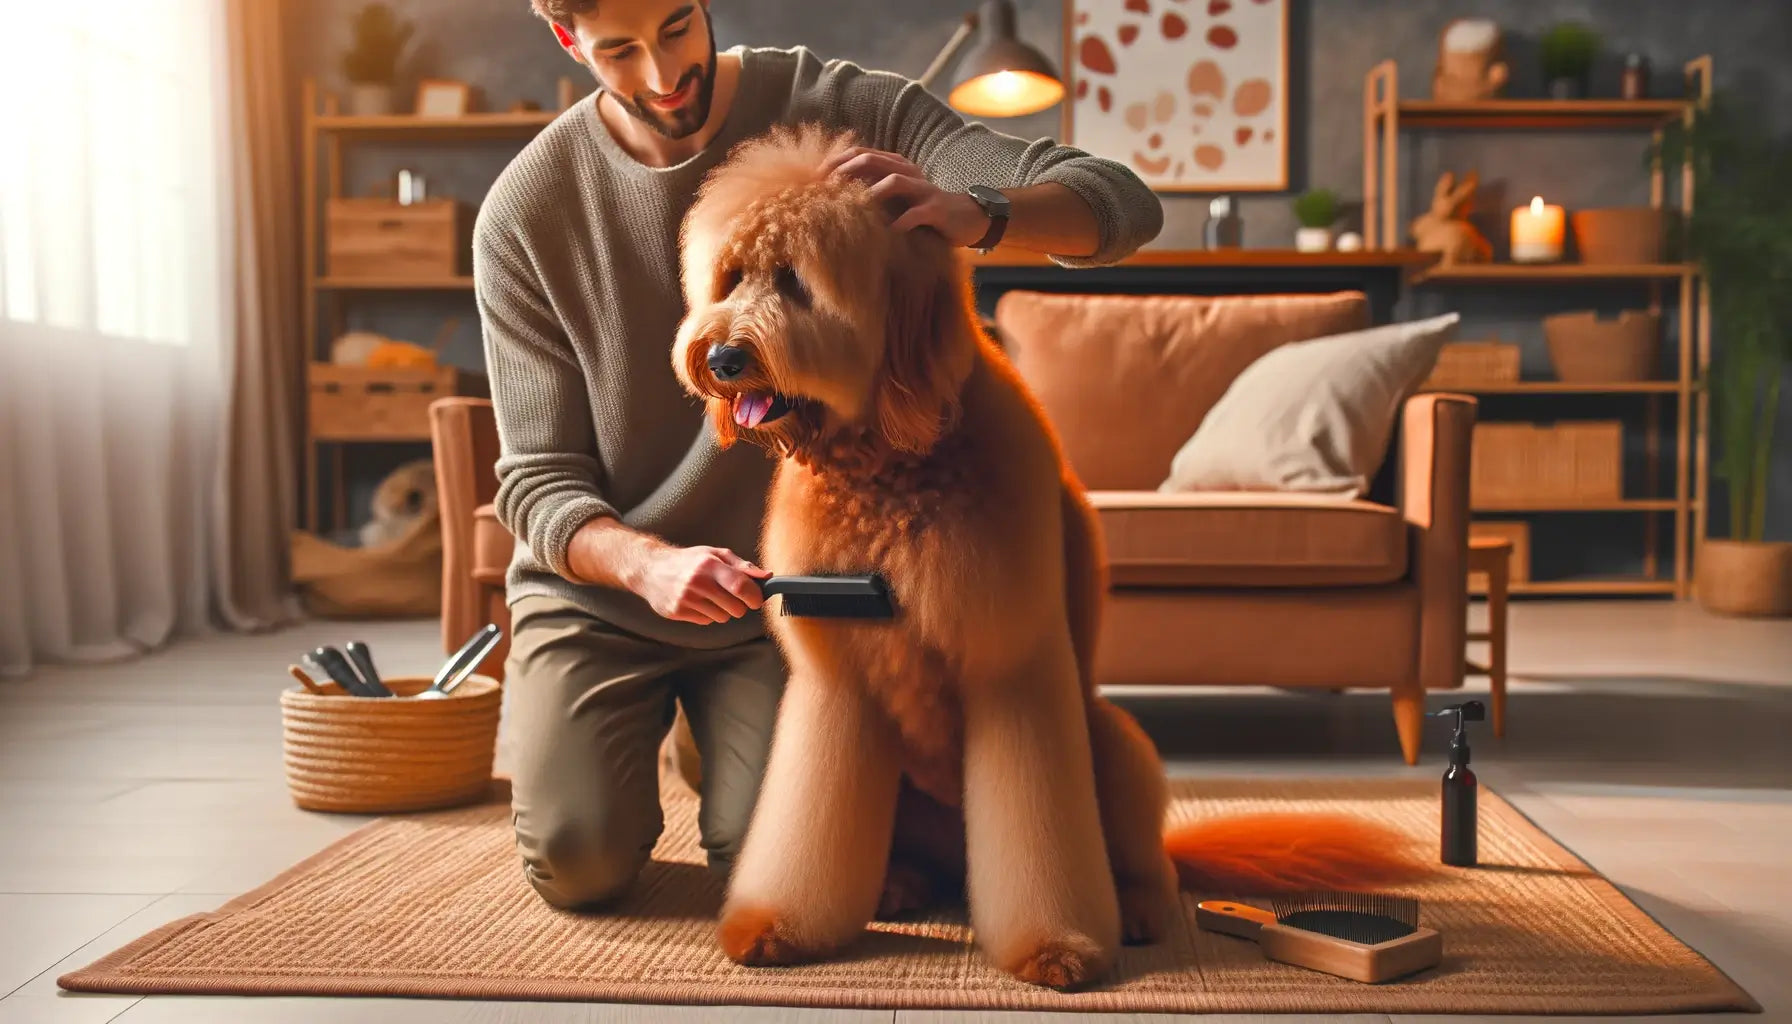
column 1063, row 963
column 755, row 937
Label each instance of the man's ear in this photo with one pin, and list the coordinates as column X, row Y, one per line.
column 568, row 42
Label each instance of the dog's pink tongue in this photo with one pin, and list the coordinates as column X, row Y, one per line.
column 750, row 409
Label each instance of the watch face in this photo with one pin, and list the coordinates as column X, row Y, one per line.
column 990, row 198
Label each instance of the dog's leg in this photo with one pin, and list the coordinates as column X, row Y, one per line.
column 1041, row 891
column 1129, row 777
column 812, row 866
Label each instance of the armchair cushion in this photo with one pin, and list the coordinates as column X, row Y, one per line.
column 1126, row 379
column 1244, row 539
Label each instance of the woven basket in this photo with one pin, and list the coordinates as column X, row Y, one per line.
column 1619, row 235
column 365, row 755
column 1528, row 463
column 1586, row 349
column 1472, row 364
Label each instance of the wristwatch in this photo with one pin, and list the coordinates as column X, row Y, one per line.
column 995, row 204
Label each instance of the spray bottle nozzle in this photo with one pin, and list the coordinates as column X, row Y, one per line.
column 1467, row 711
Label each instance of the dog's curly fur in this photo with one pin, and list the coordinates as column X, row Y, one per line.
column 910, row 447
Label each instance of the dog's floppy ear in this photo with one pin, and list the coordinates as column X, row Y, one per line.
column 927, row 347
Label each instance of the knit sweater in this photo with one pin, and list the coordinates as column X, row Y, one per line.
column 575, row 265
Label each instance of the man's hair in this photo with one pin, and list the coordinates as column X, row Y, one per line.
column 560, row 12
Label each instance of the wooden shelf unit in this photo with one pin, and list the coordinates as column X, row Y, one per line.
column 1386, row 115
column 1546, row 273
column 1288, row 258
column 1538, row 114
column 325, row 133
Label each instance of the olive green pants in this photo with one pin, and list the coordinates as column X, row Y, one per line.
column 588, row 706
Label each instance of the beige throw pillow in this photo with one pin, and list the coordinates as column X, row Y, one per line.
column 1312, row 416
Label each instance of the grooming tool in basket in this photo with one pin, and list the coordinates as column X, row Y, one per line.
column 1366, row 937
column 832, row 597
column 305, row 679
column 464, row 662
column 363, row 662
column 337, row 667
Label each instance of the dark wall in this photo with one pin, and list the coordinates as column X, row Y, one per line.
column 503, row 49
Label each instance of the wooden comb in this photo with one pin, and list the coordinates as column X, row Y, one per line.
column 1366, row 937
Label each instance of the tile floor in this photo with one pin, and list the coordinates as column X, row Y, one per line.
column 1648, row 737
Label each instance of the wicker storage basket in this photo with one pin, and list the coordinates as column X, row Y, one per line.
column 1518, row 464
column 1471, row 364
column 1586, row 349
column 1619, row 235
column 365, row 755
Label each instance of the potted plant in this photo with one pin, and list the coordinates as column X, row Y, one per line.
column 371, row 65
column 1568, row 51
column 1317, row 211
column 1740, row 233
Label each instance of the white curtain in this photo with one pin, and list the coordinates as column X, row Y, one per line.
column 117, row 309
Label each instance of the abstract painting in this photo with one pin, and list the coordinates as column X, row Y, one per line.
column 1190, row 94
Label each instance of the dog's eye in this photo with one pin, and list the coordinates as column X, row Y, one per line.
column 727, row 281
column 791, row 286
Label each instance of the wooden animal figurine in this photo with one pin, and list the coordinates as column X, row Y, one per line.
column 1468, row 64
column 1445, row 230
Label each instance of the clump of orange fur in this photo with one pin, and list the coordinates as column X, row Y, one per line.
column 1265, row 854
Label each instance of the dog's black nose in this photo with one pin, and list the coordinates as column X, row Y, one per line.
column 727, row 361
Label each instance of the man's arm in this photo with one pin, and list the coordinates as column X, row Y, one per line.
column 548, row 492
column 547, row 472
column 1080, row 209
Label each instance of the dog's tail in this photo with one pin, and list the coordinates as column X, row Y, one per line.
column 1244, row 855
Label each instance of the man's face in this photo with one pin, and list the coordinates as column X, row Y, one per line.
column 657, row 57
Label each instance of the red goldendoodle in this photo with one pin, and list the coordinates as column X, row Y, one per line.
column 911, row 448
column 963, row 742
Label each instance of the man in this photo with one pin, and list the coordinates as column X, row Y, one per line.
column 632, row 586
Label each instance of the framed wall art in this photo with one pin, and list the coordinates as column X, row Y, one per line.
column 1190, row 94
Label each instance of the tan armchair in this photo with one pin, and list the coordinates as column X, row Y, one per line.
column 476, row 548
column 1249, row 589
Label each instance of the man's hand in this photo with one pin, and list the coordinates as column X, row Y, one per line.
column 702, row 584
column 912, row 200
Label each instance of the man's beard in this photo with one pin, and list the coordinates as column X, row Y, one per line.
column 688, row 119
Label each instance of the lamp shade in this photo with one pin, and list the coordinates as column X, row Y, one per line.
column 1000, row 76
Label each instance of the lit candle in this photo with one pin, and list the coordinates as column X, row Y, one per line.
column 1536, row 233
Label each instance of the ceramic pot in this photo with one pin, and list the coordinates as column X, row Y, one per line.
column 1313, row 239
column 1742, row 577
column 1587, row 349
column 369, row 100
column 1619, row 235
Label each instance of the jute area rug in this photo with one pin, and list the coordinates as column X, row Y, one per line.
column 435, row 905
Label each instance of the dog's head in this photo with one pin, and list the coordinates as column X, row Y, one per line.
column 810, row 321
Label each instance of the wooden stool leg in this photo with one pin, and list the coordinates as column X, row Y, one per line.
column 1496, row 660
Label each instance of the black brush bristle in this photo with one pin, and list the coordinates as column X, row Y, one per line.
column 1365, row 917
column 832, row 597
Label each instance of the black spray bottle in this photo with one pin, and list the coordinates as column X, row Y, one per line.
column 1460, row 788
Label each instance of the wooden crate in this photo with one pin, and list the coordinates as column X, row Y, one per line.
column 378, row 238
column 1519, row 533
column 1570, row 463
column 1470, row 364
column 353, row 403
